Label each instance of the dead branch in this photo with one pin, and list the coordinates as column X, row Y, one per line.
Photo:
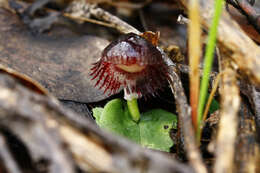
column 256, row 102
column 247, row 9
column 226, row 137
column 233, row 41
column 185, row 122
column 85, row 10
column 34, row 130
column 253, row 95
column 246, row 160
column 42, row 125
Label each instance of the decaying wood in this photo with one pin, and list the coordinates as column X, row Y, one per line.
column 185, row 122
column 44, row 127
column 256, row 103
column 246, row 157
column 253, row 95
column 235, row 12
column 35, row 131
column 227, row 132
column 233, row 41
column 247, row 9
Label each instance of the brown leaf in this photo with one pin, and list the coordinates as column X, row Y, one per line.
column 244, row 24
column 60, row 60
column 24, row 80
column 151, row 37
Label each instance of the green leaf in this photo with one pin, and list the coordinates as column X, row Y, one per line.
column 155, row 126
column 152, row 131
column 97, row 113
column 115, row 117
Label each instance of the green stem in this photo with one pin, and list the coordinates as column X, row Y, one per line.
column 208, row 61
column 133, row 109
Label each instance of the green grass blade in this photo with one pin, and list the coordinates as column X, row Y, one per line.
column 208, row 60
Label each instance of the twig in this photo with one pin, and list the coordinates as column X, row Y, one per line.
column 83, row 10
column 211, row 96
column 84, row 19
column 185, row 122
column 247, row 9
column 233, row 41
column 246, row 158
column 225, row 143
column 91, row 147
column 253, row 95
column 120, row 25
column 256, row 101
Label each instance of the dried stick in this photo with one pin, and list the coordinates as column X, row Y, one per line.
column 225, row 143
column 253, row 95
column 118, row 23
column 82, row 9
column 84, row 19
column 247, row 9
column 256, row 103
column 211, row 96
column 234, row 43
column 246, row 160
column 92, row 149
column 185, row 121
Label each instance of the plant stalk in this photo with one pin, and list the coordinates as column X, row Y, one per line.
column 133, row 109
column 194, row 57
column 210, row 48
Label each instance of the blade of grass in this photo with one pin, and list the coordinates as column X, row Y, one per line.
column 211, row 96
column 194, row 30
column 208, row 62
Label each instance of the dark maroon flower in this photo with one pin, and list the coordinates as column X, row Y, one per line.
column 131, row 62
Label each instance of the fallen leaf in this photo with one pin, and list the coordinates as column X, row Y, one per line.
column 60, row 60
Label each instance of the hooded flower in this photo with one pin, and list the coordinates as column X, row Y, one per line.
column 133, row 63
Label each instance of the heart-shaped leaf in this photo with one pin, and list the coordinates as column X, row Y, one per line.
column 152, row 131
